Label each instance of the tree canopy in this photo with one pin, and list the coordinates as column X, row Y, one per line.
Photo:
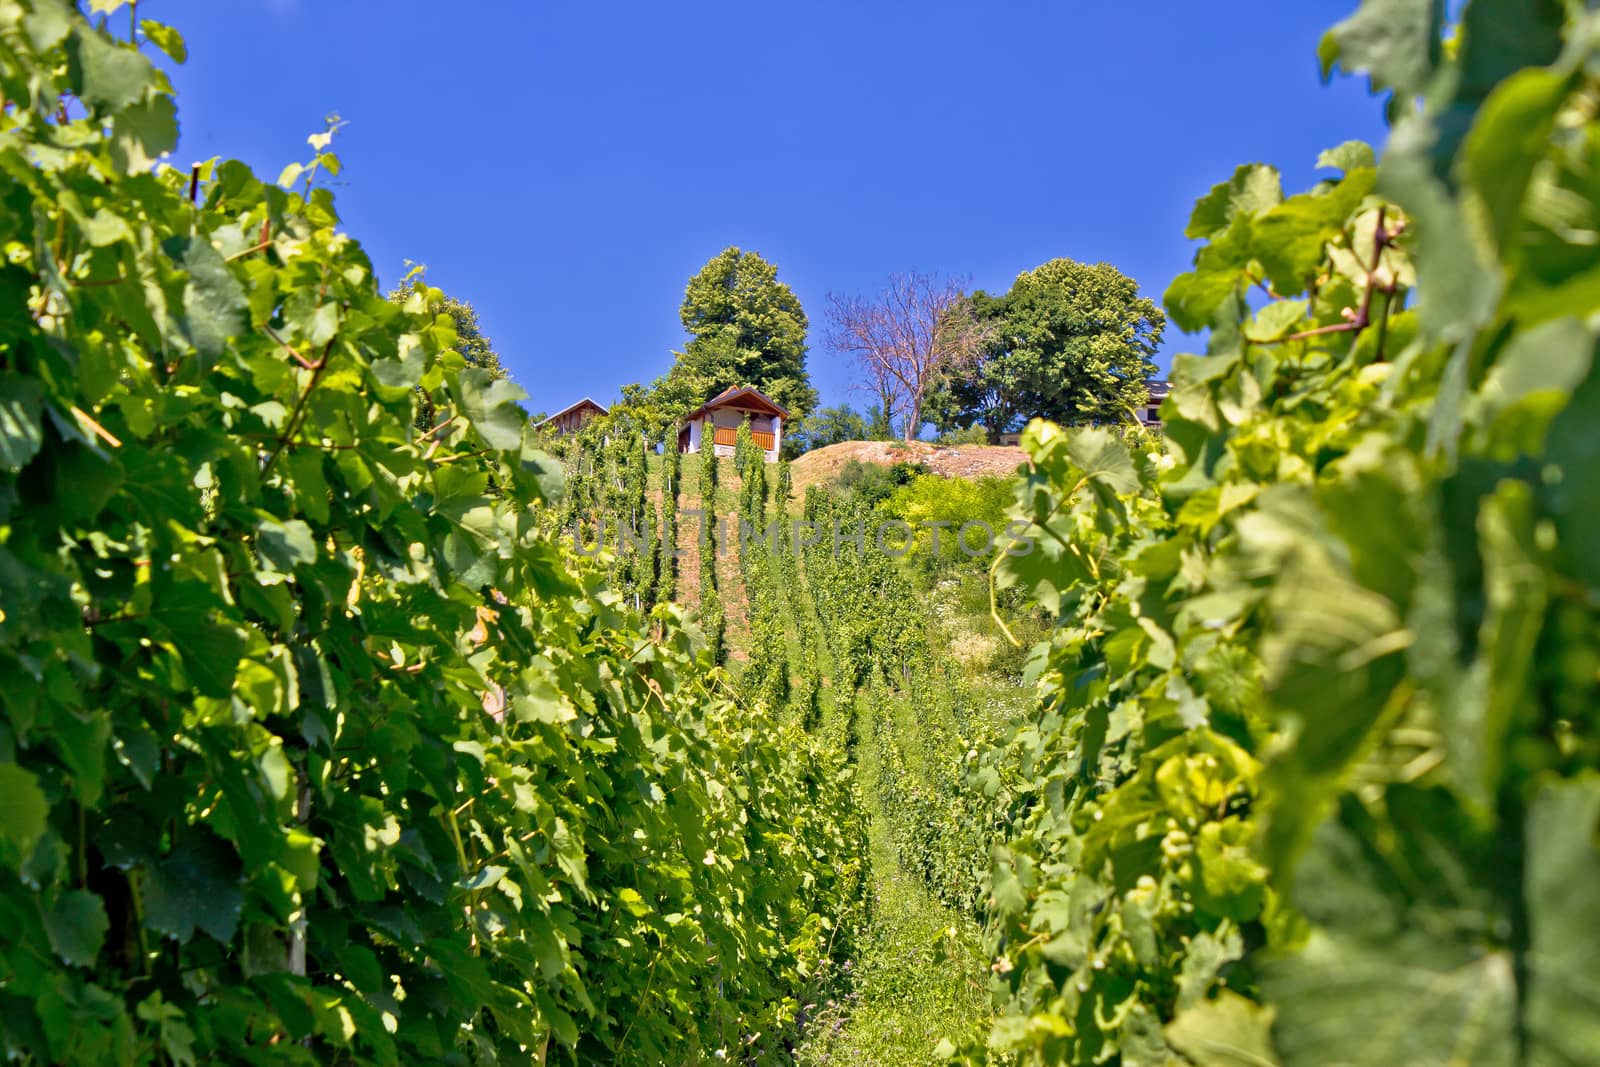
column 746, row 328
column 1070, row 342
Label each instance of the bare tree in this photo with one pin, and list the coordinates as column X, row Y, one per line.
column 906, row 338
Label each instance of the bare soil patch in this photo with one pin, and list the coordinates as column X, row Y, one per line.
column 950, row 461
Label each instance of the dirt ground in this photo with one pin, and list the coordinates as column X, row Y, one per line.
column 951, row 461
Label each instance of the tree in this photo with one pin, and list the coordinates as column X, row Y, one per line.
column 1069, row 342
column 879, row 423
column 644, row 408
column 830, row 426
column 906, row 339
column 747, row 328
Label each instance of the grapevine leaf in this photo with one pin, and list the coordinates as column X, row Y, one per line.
column 1332, row 655
column 1532, row 381
column 1575, row 499
column 209, row 646
column 1275, row 321
column 1501, row 37
column 1229, row 1031
column 177, row 1039
column 195, row 888
column 1231, row 881
column 1199, row 298
column 286, row 545
column 48, row 23
column 1104, row 459
column 310, row 484
column 77, row 927
column 1141, row 1040
column 23, row 814
column 404, row 370
column 492, row 407
column 1206, row 955
column 1563, row 865
column 82, row 738
column 1289, row 239
column 1332, row 649
column 538, row 700
column 1193, row 298
column 1254, row 188
column 1451, row 261
column 1049, row 569
column 1394, row 42
column 20, row 431
column 107, row 74
column 144, row 132
column 483, row 878
column 1508, row 139
column 165, row 38
column 214, row 303
column 1400, row 944
column 547, row 472
column 1479, row 717
column 1352, row 155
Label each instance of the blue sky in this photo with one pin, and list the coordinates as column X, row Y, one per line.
column 566, row 166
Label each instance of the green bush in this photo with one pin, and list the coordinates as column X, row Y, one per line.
column 966, row 435
column 936, row 505
column 875, row 482
column 314, row 749
column 1313, row 779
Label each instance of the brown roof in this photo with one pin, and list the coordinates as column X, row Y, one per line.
column 741, row 396
column 574, row 407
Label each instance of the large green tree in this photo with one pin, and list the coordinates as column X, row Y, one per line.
column 1071, row 342
column 746, row 328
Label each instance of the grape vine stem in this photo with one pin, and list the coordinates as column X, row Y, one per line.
column 298, row 416
column 1382, row 237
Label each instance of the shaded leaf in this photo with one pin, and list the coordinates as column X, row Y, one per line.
column 214, row 303
column 24, row 810
column 195, row 888
column 77, row 927
column 21, row 404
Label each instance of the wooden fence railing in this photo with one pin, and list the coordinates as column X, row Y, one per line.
column 729, row 436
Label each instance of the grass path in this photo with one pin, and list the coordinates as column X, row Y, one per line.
column 918, row 972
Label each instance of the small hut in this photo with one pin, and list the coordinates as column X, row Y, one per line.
column 720, row 418
column 571, row 419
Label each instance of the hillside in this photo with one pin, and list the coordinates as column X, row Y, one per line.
column 952, row 461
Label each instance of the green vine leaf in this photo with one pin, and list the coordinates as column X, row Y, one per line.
column 23, row 816
column 195, row 888
column 21, row 434
column 77, row 927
